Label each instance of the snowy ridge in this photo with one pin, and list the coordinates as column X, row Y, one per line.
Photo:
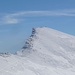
column 46, row 52
column 51, row 47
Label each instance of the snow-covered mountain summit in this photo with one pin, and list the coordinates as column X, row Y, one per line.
column 51, row 47
column 46, row 52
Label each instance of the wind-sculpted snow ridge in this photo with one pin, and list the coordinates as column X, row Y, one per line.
column 46, row 52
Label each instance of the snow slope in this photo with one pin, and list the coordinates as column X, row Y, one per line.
column 46, row 52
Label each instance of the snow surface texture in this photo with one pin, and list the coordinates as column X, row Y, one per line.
column 46, row 52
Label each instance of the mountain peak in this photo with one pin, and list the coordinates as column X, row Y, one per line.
column 50, row 46
column 44, row 33
column 46, row 52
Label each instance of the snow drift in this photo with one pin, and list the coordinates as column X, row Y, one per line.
column 46, row 52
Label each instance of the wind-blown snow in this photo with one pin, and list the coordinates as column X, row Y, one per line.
column 46, row 52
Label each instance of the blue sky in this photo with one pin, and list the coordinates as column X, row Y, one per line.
column 18, row 17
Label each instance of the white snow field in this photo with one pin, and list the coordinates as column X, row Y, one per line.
column 46, row 52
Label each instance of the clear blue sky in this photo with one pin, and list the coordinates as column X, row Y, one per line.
column 18, row 17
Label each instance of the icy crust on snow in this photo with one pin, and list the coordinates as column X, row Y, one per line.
column 46, row 52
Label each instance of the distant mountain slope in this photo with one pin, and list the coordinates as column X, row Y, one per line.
column 46, row 52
